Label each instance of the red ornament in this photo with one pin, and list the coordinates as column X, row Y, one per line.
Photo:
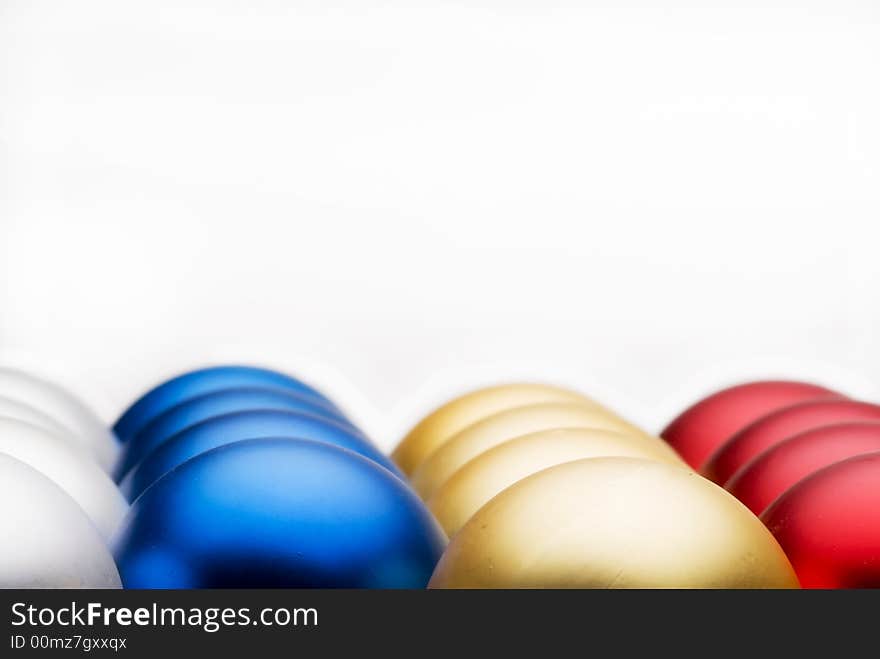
column 828, row 524
column 703, row 427
column 761, row 480
column 780, row 425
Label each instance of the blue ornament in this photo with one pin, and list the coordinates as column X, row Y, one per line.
column 236, row 427
column 202, row 408
column 204, row 381
column 278, row 513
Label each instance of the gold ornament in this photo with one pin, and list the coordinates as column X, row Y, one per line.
column 614, row 523
column 455, row 415
column 469, row 488
column 498, row 428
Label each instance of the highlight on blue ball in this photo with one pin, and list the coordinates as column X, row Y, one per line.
column 238, row 426
column 278, row 513
column 202, row 408
column 196, row 383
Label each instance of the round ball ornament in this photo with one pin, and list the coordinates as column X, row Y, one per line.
column 64, row 408
column 70, row 467
column 704, row 426
column 450, row 418
column 829, row 524
column 482, row 478
column 760, row 481
column 280, row 513
column 14, row 409
column 238, row 426
column 47, row 540
column 202, row 408
column 614, row 523
column 777, row 426
column 498, row 428
column 204, row 381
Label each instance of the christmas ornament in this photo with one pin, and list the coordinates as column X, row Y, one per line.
column 613, row 523
column 480, row 479
column 765, row 477
column 278, row 513
column 202, row 408
column 204, row 381
column 450, row 418
column 829, row 524
column 46, row 540
column 70, row 467
column 703, row 427
column 780, row 425
column 238, row 426
column 500, row 427
column 64, row 408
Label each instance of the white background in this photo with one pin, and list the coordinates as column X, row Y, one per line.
column 398, row 201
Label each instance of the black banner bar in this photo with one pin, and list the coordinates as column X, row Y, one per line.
column 456, row 623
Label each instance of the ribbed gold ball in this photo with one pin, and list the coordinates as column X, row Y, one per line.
column 498, row 428
column 448, row 419
column 480, row 479
column 614, row 523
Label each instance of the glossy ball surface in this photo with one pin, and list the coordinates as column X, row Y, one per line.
column 455, row 415
column 829, row 525
column 63, row 407
column 761, row 480
column 498, row 428
column 704, row 426
column 46, row 540
column 482, row 478
column 204, row 381
column 778, row 426
column 613, row 523
column 14, row 409
column 202, row 408
column 278, row 513
column 70, row 467
column 238, row 426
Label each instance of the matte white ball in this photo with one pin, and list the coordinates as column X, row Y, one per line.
column 65, row 408
column 68, row 466
column 46, row 540
column 15, row 409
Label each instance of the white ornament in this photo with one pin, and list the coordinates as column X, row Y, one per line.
column 15, row 409
column 65, row 409
column 70, row 467
column 46, row 540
